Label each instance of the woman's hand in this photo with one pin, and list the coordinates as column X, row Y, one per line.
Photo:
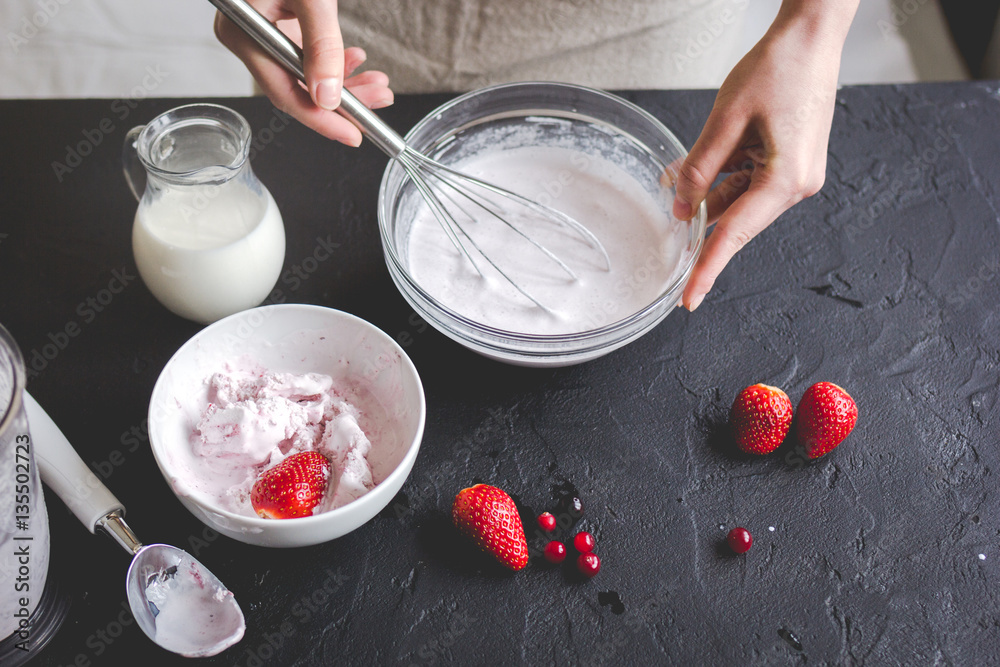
column 328, row 66
column 770, row 126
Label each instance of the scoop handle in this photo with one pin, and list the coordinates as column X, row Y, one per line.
column 288, row 54
column 64, row 471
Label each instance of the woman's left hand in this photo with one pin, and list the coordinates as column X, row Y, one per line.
column 770, row 127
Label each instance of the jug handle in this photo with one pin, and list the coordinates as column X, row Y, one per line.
column 135, row 173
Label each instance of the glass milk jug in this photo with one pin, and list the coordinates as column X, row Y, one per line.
column 208, row 238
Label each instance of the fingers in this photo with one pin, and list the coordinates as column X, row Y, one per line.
column 725, row 193
column 372, row 95
column 745, row 158
column 354, row 58
column 369, row 77
column 668, row 178
column 322, row 52
column 745, row 218
column 371, row 87
column 712, row 151
column 287, row 93
column 330, row 124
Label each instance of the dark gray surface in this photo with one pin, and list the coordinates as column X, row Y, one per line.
column 886, row 283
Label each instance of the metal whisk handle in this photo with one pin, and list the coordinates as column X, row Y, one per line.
column 286, row 52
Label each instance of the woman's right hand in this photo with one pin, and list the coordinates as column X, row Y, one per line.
column 313, row 25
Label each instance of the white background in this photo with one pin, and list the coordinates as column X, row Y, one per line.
column 103, row 48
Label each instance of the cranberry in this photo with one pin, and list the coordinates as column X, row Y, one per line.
column 588, row 564
column 739, row 540
column 546, row 522
column 583, row 542
column 555, row 552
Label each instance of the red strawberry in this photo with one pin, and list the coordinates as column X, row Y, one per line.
column 761, row 417
column 292, row 488
column 488, row 516
column 826, row 415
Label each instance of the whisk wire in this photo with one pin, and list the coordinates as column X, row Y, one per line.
column 434, row 168
column 452, row 228
column 479, row 201
column 441, row 214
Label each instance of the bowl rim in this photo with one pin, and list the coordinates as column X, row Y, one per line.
column 700, row 219
column 344, row 510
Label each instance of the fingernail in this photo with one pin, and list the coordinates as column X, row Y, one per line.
column 682, row 208
column 328, row 93
column 381, row 104
column 695, row 302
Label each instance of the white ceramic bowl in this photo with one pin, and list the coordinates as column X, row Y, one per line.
column 291, row 338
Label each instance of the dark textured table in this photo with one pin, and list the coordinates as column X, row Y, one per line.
column 884, row 552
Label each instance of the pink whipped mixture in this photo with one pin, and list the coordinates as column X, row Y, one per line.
column 256, row 418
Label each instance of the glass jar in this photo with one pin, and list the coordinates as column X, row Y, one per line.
column 30, row 611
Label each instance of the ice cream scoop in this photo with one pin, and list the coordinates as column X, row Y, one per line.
column 176, row 601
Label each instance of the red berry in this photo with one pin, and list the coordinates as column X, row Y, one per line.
column 583, row 542
column 761, row 416
column 555, row 552
column 489, row 516
column 546, row 522
column 588, row 564
column 827, row 415
column 739, row 540
column 292, row 488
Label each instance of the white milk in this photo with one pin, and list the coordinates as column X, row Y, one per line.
column 208, row 251
column 643, row 241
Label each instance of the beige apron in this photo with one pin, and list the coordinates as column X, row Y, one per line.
column 457, row 45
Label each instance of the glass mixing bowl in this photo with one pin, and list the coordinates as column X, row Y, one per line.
column 550, row 112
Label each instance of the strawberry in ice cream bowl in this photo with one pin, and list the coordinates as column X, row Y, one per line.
column 287, row 425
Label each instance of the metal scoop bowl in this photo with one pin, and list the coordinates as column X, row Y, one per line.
column 180, row 605
column 176, row 600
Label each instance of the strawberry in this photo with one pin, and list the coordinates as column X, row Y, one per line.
column 292, row 488
column 761, row 416
column 826, row 415
column 488, row 516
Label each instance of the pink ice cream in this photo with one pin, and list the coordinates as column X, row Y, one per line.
column 256, row 418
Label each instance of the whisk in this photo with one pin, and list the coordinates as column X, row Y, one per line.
column 443, row 189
